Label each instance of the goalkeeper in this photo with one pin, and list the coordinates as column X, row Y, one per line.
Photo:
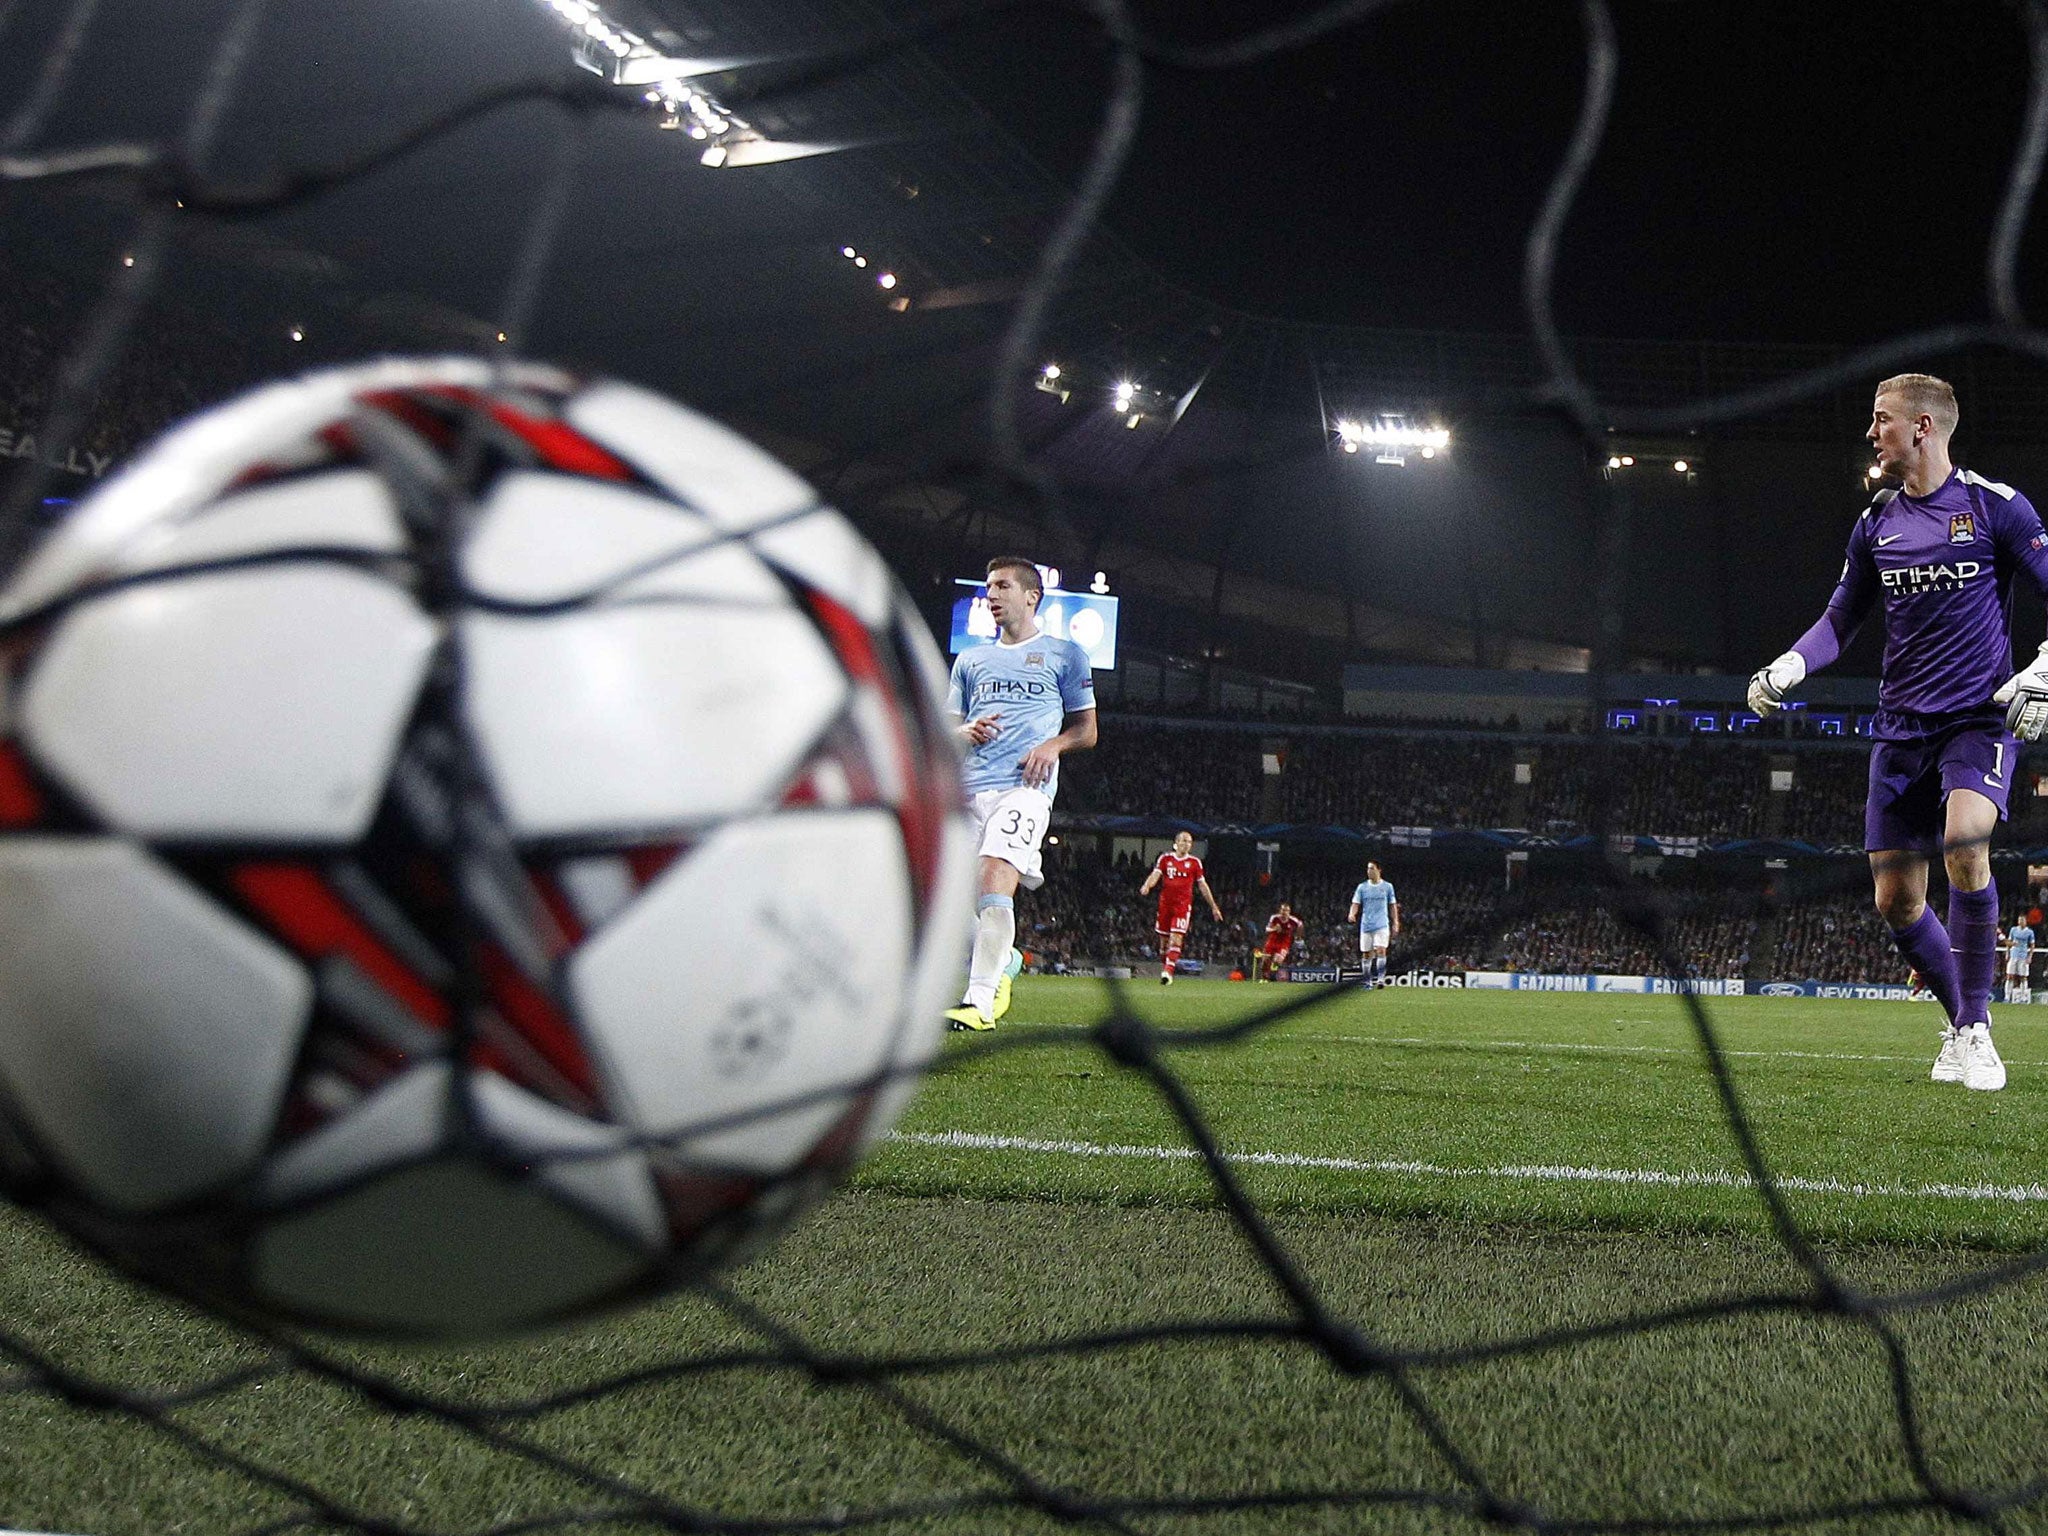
column 1941, row 550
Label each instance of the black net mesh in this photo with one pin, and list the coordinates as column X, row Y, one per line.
column 515, row 1436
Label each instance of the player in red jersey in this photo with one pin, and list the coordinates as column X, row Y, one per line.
column 1282, row 928
column 1178, row 875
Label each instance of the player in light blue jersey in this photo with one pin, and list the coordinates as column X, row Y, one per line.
column 2019, row 961
column 1378, row 916
column 1023, row 700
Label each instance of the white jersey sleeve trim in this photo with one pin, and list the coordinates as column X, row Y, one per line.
column 1971, row 477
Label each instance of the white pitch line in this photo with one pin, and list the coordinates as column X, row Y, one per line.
column 1545, row 1173
column 1595, row 1049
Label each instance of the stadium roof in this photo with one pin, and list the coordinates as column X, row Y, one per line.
column 1334, row 234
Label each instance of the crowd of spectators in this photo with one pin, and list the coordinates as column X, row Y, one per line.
column 1315, row 712
column 1389, row 781
column 1216, row 775
column 172, row 363
column 1691, row 788
column 1837, row 937
column 1826, row 803
column 1089, row 913
column 1685, row 790
column 1706, row 933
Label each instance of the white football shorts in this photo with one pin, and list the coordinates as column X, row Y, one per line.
column 1373, row 938
column 1010, row 825
column 2017, row 968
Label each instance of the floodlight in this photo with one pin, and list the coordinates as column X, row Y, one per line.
column 749, row 148
column 887, row 279
column 1612, row 462
column 646, row 68
column 1875, row 472
column 1628, row 461
column 1051, row 370
column 848, row 252
column 298, row 333
column 1680, row 466
column 1394, row 432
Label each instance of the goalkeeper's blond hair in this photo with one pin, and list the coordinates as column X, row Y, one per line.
column 1923, row 392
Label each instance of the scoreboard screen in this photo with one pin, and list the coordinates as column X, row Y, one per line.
column 1086, row 618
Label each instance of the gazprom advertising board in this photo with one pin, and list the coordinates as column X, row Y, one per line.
column 1086, row 618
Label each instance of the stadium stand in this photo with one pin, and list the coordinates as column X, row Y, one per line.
column 172, row 367
column 1089, row 914
column 1379, row 777
column 1450, row 776
column 1836, row 938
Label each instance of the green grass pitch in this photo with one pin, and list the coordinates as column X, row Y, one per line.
column 1447, row 1167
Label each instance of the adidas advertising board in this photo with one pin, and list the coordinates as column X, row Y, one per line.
column 1329, row 973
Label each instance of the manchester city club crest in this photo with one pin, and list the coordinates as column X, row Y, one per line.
column 1962, row 528
column 1037, row 658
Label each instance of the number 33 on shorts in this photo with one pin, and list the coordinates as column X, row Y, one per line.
column 1013, row 823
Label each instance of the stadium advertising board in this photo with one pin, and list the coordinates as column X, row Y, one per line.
column 1523, row 981
column 1330, row 973
column 24, row 445
column 1086, row 618
column 1428, row 979
column 1862, row 992
column 1519, row 981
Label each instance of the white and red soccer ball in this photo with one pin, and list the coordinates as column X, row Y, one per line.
column 475, row 846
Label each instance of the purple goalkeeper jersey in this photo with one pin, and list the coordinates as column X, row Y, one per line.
column 1944, row 565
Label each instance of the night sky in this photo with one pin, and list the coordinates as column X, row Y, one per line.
column 1773, row 171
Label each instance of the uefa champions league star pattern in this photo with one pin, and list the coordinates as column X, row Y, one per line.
column 435, row 734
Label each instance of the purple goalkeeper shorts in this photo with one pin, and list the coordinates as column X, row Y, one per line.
column 1910, row 777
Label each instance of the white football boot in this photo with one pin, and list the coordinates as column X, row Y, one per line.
column 1982, row 1069
column 1948, row 1066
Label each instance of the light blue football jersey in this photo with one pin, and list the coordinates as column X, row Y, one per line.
column 1373, row 901
column 1031, row 687
column 2021, row 940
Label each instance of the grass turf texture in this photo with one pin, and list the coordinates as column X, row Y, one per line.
column 1563, row 1086
column 961, row 1247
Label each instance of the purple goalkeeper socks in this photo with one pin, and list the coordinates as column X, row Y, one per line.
column 1973, row 930
column 1925, row 945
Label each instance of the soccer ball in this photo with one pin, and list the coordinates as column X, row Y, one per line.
column 475, row 846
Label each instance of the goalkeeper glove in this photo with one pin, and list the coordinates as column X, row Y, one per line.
column 1768, row 688
column 2025, row 696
